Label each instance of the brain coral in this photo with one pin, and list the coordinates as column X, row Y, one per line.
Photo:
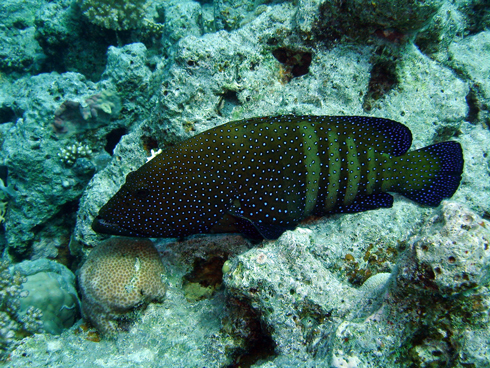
column 119, row 276
column 115, row 14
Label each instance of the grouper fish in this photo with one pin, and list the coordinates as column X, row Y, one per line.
column 264, row 175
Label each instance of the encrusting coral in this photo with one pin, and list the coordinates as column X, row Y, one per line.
column 90, row 112
column 120, row 276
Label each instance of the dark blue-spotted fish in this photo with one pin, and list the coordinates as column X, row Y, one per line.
column 262, row 176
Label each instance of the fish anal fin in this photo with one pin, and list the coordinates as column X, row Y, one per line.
column 366, row 203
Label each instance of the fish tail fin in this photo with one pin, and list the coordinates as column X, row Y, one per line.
column 433, row 173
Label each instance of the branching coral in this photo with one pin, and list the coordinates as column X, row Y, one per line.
column 69, row 155
column 115, row 14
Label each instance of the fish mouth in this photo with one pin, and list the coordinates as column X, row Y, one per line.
column 101, row 226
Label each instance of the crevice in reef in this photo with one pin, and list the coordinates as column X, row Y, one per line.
column 293, row 63
column 243, row 323
column 445, row 133
column 7, row 115
column 383, row 80
column 205, row 278
column 474, row 106
column 228, row 101
column 113, row 138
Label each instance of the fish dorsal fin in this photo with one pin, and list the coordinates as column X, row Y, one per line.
column 384, row 135
column 387, row 136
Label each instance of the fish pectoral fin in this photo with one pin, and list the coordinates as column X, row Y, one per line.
column 227, row 224
column 251, row 227
column 233, row 224
column 271, row 231
column 366, row 203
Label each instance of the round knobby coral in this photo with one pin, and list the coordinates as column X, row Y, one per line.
column 119, row 276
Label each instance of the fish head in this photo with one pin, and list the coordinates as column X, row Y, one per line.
column 165, row 198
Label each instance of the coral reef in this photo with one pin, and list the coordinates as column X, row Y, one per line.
column 115, row 14
column 119, row 276
column 14, row 322
column 477, row 46
column 69, row 41
column 74, row 117
column 399, row 287
column 71, row 153
column 182, row 18
column 127, row 69
column 20, row 51
column 44, row 185
column 51, row 290
column 392, row 21
column 440, row 282
column 454, row 249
